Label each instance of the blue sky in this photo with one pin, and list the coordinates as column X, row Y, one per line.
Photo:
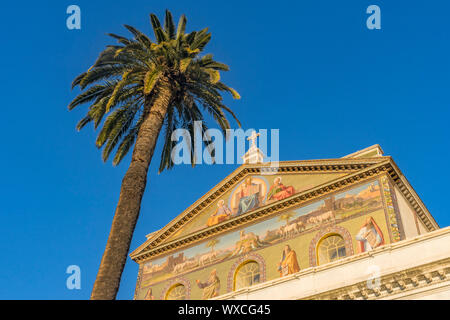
column 309, row 68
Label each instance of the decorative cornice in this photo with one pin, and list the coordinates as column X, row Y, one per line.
column 411, row 196
column 391, row 284
column 363, row 169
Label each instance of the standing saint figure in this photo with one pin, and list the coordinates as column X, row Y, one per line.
column 248, row 197
column 223, row 212
column 288, row 263
column 279, row 191
column 211, row 287
column 369, row 236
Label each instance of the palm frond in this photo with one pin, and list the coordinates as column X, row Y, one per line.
column 169, row 26
column 181, row 26
column 129, row 77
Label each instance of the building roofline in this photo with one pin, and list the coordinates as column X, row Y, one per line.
column 368, row 167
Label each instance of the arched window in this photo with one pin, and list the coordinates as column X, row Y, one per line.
column 330, row 248
column 176, row 292
column 247, row 275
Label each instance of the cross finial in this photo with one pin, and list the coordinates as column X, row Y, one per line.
column 253, row 155
column 253, row 138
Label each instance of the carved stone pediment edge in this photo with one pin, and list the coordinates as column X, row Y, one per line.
column 390, row 284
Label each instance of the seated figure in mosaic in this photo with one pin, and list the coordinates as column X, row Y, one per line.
column 248, row 197
column 279, row 191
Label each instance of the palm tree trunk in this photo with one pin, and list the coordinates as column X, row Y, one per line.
column 115, row 255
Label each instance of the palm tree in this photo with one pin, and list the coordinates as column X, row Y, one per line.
column 141, row 86
column 286, row 217
column 212, row 244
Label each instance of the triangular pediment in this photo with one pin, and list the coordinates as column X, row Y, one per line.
column 251, row 187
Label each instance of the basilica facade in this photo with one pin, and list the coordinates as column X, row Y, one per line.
column 346, row 228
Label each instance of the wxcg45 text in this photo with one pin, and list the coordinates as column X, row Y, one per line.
column 246, row 309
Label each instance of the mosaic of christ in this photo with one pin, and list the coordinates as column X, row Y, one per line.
column 250, row 195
